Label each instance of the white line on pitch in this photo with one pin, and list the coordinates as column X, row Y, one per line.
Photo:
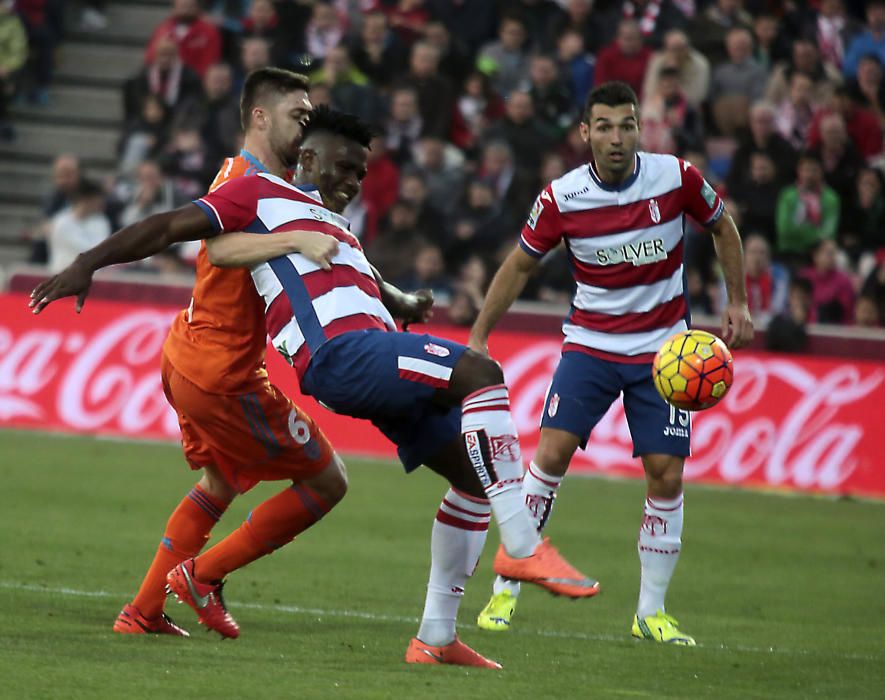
column 381, row 617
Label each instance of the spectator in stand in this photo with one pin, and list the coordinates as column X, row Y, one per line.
column 538, row 16
column 624, row 59
column 442, row 167
column 198, row 40
column 756, row 199
column 66, row 179
column 164, row 76
column 868, row 86
column 144, row 137
column 377, row 53
column 576, row 66
column 43, row 31
column 405, row 125
column 215, row 113
column 454, row 60
column 807, row 212
column 866, row 313
column 551, row 98
column 761, row 136
column 13, row 54
column 736, row 84
column 786, row 332
column 580, row 18
column 804, row 58
column 520, row 128
column 473, row 22
column 870, row 41
column 863, row 216
column 324, row 31
column 831, row 30
column 832, row 292
column 436, row 96
column 254, row 54
column 406, row 17
column 151, row 193
column 796, row 112
column 398, row 241
column 514, row 187
column 694, row 69
column 708, row 30
column 186, row 161
column 573, row 149
column 861, row 123
column 654, row 18
column 263, row 22
column 476, row 108
column 428, row 272
column 506, row 60
column 768, row 283
column 79, row 227
column 430, row 220
column 480, row 225
column 839, row 156
column 350, row 89
column 874, row 284
column 669, row 123
column 379, row 187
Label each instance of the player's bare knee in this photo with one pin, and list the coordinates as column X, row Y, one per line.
column 213, row 483
column 553, row 459
column 478, row 371
column 331, row 483
column 664, row 475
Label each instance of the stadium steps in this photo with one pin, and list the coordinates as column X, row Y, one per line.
column 93, row 106
column 16, row 219
column 129, row 23
column 87, row 63
column 42, row 142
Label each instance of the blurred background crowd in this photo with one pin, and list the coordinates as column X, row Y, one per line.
column 781, row 105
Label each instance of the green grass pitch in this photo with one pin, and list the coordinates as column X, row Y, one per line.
column 786, row 596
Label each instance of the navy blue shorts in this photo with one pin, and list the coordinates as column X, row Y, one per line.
column 390, row 379
column 583, row 389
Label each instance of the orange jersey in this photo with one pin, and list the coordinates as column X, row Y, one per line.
column 219, row 341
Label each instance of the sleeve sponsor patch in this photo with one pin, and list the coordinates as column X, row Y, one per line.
column 708, row 193
column 535, row 214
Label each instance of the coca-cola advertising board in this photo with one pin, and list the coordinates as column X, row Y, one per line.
column 789, row 422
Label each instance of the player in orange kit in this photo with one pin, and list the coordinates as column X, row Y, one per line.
column 235, row 425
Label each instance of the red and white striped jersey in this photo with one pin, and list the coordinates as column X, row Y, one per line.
column 625, row 247
column 305, row 305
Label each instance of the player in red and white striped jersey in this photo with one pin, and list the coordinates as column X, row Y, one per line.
column 621, row 220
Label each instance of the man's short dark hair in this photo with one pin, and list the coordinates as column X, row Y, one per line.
column 87, row 189
column 349, row 126
column 264, row 82
column 610, row 94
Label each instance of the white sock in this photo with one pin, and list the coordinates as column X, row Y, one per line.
column 660, row 539
column 459, row 533
column 493, row 449
column 539, row 491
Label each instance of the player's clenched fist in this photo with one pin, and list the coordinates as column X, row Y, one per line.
column 317, row 247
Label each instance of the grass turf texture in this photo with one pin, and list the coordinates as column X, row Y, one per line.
column 785, row 595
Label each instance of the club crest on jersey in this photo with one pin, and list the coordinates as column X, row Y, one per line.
column 654, row 211
column 554, row 405
column 438, row 350
column 535, row 213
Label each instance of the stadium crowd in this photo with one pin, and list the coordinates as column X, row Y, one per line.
column 780, row 104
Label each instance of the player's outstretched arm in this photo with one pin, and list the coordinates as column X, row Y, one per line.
column 135, row 242
column 409, row 307
column 737, row 325
column 508, row 283
column 248, row 249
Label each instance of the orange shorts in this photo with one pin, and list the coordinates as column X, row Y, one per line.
column 260, row 436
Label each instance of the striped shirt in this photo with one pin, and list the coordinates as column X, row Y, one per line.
column 625, row 246
column 305, row 305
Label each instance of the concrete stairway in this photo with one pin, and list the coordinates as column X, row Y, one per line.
column 84, row 115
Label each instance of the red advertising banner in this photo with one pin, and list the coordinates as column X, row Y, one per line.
column 789, row 422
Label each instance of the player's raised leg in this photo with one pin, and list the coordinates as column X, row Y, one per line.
column 492, row 447
column 199, row 582
column 187, row 531
column 458, row 537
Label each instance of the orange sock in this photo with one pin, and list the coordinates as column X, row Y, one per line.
column 271, row 525
column 186, row 533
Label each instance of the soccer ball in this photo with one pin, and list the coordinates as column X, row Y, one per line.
column 693, row 370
